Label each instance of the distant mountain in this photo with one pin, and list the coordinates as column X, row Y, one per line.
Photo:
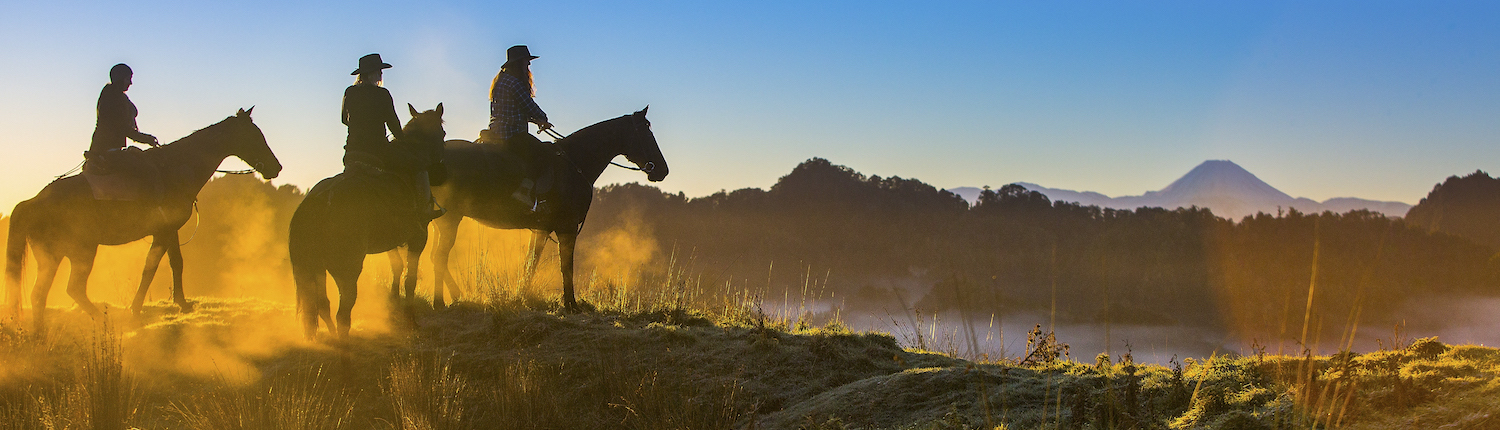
column 1225, row 188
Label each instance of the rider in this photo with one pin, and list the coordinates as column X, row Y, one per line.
column 116, row 120
column 108, row 152
column 511, row 107
column 369, row 111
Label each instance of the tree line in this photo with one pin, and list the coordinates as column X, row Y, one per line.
column 869, row 238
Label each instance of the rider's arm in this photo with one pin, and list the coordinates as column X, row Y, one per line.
column 344, row 107
column 392, row 121
column 133, row 131
column 534, row 113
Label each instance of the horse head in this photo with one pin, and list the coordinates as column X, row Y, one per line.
column 424, row 132
column 249, row 144
column 642, row 150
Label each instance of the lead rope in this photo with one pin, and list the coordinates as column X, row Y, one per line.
column 197, row 218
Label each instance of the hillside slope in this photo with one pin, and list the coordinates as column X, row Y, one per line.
column 520, row 364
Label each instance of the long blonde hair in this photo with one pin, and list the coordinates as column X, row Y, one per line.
column 360, row 78
column 523, row 73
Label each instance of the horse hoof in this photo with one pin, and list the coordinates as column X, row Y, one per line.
column 185, row 307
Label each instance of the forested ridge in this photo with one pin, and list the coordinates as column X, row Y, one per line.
column 867, row 238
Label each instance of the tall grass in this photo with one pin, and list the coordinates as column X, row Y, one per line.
column 303, row 399
column 426, row 393
column 98, row 394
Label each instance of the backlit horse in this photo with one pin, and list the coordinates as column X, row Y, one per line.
column 365, row 210
column 64, row 220
column 483, row 177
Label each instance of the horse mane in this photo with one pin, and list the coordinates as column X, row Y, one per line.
column 593, row 129
column 195, row 135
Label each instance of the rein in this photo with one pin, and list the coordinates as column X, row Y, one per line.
column 75, row 169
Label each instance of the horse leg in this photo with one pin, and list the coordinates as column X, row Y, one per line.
column 538, row 243
column 346, row 276
column 565, row 243
column 153, row 262
column 174, row 258
column 46, row 272
column 413, row 274
column 447, row 235
column 82, row 262
column 397, row 265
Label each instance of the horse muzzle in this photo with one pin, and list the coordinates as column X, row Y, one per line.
column 654, row 173
column 268, row 172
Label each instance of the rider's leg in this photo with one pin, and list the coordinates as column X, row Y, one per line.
column 425, row 203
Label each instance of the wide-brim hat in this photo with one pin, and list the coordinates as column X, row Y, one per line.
column 519, row 53
column 370, row 63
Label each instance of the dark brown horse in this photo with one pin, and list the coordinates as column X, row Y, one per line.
column 362, row 211
column 482, row 178
column 65, row 221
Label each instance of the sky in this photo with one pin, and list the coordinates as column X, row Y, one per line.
column 1370, row 99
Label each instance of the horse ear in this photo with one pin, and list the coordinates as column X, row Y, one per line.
column 413, row 109
column 240, row 113
column 439, row 109
column 643, row 110
column 247, row 111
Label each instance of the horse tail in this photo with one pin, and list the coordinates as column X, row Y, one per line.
column 303, row 267
column 309, row 271
column 15, row 254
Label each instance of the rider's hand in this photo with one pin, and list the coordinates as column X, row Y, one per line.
column 149, row 140
column 543, row 126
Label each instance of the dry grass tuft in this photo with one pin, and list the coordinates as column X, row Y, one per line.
column 300, row 399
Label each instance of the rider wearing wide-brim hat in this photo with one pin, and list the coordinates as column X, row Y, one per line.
column 511, row 107
column 369, row 111
column 511, row 97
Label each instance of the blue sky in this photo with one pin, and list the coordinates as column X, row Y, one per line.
column 1378, row 100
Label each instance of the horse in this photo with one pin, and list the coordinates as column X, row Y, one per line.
column 483, row 176
column 355, row 213
column 64, row 220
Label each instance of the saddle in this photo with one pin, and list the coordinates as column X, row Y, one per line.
column 391, row 193
column 123, row 175
column 541, row 160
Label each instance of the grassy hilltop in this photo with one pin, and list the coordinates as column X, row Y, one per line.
column 644, row 360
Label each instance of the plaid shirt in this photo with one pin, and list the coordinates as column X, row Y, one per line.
column 511, row 107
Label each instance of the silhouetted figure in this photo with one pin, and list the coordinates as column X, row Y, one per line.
column 481, row 180
column 116, row 120
column 347, row 216
column 511, row 107
column 114, row 170
column 369, row 111
column 65, row 221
